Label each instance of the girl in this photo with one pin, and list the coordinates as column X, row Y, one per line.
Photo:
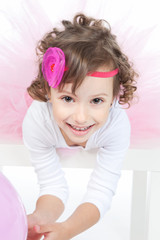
column 83, row 80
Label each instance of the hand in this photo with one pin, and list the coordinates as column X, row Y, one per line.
column 33, row 219
column 55, row 231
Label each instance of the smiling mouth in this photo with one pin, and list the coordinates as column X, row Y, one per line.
column 79, row 132
column 78, row 128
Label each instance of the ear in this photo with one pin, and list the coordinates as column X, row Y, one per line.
column 112, row 101
column 49, row 95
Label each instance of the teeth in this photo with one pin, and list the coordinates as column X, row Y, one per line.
column 80, row 129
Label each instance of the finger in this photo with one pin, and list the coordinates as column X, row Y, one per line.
column 48, row 237
column 42, row 228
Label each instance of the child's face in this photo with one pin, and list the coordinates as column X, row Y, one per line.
column 88, row 108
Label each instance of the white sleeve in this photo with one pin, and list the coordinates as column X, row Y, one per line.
column 104, row 178
column 44, row 159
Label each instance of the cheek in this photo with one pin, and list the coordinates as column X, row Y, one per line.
column 102, row 115
column 59, row 112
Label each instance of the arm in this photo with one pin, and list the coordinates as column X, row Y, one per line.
column 84, row 217
column 53, row 190
column 53, row 194
column 53, row 187
column 48, row 209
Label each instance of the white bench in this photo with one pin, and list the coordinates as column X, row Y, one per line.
column 145, row 164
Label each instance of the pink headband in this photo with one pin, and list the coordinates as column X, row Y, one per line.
column 53, row 67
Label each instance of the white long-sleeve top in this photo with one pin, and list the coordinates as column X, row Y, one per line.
column 42, row 136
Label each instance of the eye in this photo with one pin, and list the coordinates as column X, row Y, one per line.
column 67, row 99
column 97, row 100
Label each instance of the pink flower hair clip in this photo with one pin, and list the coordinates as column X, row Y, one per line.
column 53, row 66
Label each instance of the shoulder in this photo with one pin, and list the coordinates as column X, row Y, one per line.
column 37, row 111
column 36, row 126
column 118, row 118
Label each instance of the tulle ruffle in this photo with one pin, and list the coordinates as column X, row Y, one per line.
column 137, row 26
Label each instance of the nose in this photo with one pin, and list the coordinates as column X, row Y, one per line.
column 80, row 116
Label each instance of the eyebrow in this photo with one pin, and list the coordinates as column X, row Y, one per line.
column 99, row 94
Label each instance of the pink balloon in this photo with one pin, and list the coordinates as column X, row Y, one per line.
column 13, row 221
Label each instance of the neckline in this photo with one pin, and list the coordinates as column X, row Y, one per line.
column 74, row 145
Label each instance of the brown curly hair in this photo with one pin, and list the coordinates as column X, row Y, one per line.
column 88, row 44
